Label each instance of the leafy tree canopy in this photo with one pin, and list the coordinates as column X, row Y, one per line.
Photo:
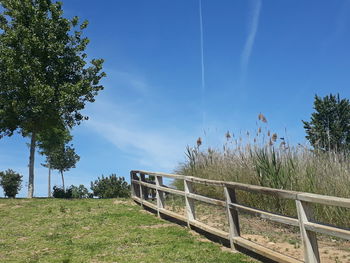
column 43, row 73
column 329, row 127
column 64, row 158
column 45, row 80
column 50, row 140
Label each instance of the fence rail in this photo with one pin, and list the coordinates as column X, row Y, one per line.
column 305, row 221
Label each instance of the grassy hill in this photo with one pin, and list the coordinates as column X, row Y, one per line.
column 113, row 230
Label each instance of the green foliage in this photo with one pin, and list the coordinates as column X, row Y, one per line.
column 43, row 67
column 110, row 187
column 329, row 127
column 272, row 170
column 51, row 140
column 45, row 80
column 59, row 192
column 10, row 182
column 63, row 158
column 71, row 192
column 80, row 191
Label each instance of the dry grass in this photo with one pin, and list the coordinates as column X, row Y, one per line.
column 268, row 160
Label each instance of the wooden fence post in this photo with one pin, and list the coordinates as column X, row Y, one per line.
column 135, row 188
column 309, row 239
column 233, row 219
column 132, row 184
column 159, row 194
column 190, row 207
column 144, row 193
column 141, row 188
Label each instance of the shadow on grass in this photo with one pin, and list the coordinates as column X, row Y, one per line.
column 223, row 241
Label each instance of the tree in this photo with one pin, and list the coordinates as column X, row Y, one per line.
column 71, row 192
column 48, row 143
column 44, row 77
column 329, row 127
column 110, row 187
column 79, row 191
column 61, row 192
column 10, row 182
column 63, row 159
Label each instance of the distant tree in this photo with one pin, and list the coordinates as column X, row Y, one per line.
column 49, row 142
column 110, row 187
column 44, row 77
column 71, row 192
column 10, row 182
column 80, row 191
column 329, row 127
column 63, row 159
column 59, row 192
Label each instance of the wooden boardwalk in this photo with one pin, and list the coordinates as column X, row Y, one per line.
column 140, row 186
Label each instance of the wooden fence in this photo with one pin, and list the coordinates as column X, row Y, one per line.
column 308, row 227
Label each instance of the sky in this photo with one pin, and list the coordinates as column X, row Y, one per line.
column 179, row 70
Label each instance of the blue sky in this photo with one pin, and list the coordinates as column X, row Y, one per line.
column 258, row 56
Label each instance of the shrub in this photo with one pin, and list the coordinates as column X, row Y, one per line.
column 269, row 160
column 80, row 191
column 71, row 192
column 10, row 182
column 59, row 192
column 110, row 187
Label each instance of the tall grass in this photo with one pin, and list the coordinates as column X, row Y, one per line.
column 268, row 160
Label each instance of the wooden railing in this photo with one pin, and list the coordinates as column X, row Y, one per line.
column 305, row 221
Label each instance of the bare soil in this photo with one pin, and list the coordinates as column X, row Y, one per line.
column 278, row 237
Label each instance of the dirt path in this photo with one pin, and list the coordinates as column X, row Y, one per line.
column 278, row 237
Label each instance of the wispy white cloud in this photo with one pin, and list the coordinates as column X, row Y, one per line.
column 249, row 43
column 136, row 83
column 128, row 82
column 154, row 149
column 133, row 127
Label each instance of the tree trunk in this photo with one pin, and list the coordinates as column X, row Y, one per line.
column 49, row 183
column 62, row 180
column 31, row 166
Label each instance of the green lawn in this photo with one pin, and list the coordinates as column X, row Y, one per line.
column 112, row 230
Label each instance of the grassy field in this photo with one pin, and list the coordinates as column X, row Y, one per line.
column 112, row 230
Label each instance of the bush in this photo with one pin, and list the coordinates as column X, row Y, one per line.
column 110, row 187
column 80, row 191
column 59, row 192
column 10, row 182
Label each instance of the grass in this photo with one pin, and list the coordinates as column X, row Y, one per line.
column 267, row 159
column 90, row 230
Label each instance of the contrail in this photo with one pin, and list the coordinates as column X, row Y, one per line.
column 202, row 62
column 253, row 28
